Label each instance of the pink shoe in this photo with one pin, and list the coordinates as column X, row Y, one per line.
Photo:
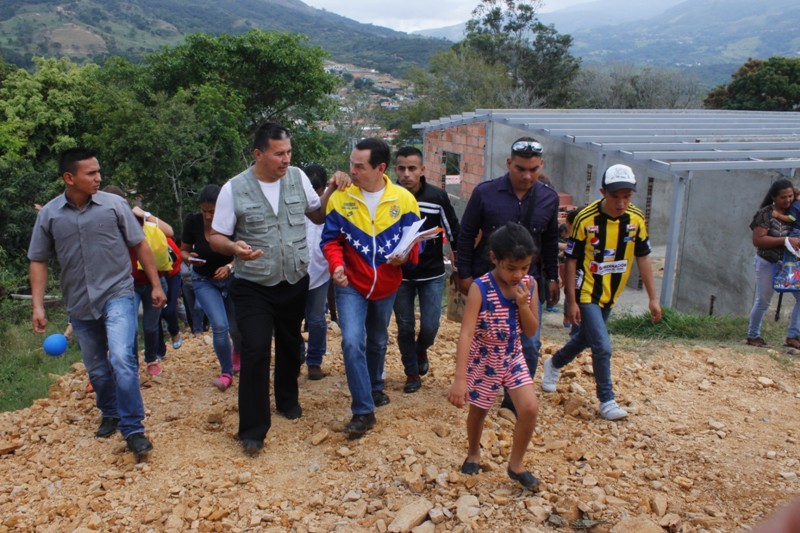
column 154, row 368
column 222, row 382
column 237, row 361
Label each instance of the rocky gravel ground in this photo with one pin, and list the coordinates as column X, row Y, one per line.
column 711, row 445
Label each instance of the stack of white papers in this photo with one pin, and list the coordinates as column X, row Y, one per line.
column 411, row 236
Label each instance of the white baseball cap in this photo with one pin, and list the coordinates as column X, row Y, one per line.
column 618, row 177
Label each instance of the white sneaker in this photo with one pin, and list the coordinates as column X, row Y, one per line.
column 550, row 376
column 611, row 411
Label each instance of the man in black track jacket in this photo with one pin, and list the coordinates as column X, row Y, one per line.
column 427, row 279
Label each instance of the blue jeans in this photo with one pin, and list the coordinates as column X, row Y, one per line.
column 194, row 313
column 107, row 351
column 430, row 312
column 215, row 300
column 170, row 312
column 764, row 272
column 317, row 323
column 151, row 320
column 365, row 333
column 592, row 333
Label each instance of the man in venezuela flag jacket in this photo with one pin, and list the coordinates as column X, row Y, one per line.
column 363, row 225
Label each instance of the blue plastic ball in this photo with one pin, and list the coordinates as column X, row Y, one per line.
column 55, row 345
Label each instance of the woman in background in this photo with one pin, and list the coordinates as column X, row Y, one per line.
column 769, row 235
column 211, row 277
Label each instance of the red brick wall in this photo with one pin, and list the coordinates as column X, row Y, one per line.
column 469, row 142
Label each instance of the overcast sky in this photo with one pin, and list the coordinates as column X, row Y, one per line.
column 411, row 15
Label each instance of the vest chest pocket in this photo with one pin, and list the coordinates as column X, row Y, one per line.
column 297, row 213
column 258, row 222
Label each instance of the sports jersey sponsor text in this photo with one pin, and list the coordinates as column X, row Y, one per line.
column 612, row 267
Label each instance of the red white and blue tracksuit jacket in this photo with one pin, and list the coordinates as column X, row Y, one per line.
column 352, row 239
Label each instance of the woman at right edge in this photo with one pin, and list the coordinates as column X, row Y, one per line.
column 769, row 235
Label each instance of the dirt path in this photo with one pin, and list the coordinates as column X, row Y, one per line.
column 712, row 445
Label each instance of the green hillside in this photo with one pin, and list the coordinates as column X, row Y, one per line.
column 95, row 29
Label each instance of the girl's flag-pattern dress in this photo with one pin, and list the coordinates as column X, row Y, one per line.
column 495, row 355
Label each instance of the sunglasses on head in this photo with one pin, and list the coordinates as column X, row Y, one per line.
column 527, row 147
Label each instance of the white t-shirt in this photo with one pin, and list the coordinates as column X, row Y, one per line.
column 317, row 264
column 225, row 218
column 372, row 199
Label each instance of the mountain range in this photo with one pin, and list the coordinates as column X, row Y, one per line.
column 93, row 29
column 715, row 35
column 691, row 33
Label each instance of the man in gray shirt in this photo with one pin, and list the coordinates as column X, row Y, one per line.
column 89, row 232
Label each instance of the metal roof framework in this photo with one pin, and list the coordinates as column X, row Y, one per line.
column 675, row 142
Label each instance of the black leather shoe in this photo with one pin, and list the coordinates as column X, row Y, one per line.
column 360, row 424
column 422, row 362
column 293, row 413
column 138, row 443
column 526, row 479
column 252, row 446
column 107, row 427
column 413, row 384
column 315, row 372
column 379, row 398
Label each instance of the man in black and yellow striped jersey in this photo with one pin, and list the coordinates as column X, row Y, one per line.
column 606, row 237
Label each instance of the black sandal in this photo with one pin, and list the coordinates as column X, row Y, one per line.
column 526, row 479
column 470, row 468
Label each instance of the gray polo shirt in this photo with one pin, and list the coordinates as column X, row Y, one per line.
column 91, row 245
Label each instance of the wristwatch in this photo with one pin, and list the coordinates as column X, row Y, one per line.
column 147, row 215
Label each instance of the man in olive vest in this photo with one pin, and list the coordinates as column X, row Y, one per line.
column 260, row 219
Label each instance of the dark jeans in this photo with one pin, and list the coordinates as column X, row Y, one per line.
column 430, row 312
column 317, row 324
column 261, row 312
column 194, row 313
column 170, row 313
column 151, row 320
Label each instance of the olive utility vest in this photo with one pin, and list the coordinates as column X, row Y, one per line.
column 282, row 236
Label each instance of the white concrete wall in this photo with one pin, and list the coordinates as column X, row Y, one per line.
column 718, row 252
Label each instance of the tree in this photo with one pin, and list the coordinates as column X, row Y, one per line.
column 275, row 75
column 632, row 87
column 167, row 147
column 758, row 85
column 535, row 56
column 457, row 80
column 5, row 69
column 41, row 111
column 20, row 187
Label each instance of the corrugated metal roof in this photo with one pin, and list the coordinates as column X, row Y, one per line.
column 666, row 140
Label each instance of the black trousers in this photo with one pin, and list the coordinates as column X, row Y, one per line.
column 262, row 312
